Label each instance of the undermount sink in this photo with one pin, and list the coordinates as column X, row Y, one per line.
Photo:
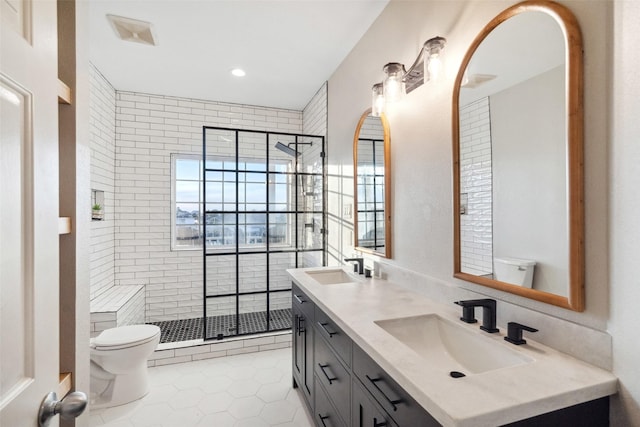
column 331, row 277
column 444, row 344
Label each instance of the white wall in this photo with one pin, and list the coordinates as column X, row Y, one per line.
column 529, row 161
column 422, row 177
column 624, row 207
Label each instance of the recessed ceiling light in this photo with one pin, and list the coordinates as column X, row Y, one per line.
column 238, row 72
column 133, row 30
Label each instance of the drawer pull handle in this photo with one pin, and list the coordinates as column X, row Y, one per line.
column 324, row 328
column 300, row 300
column 322, row 418
column 300, row 325
column 393, row 403
column 330, row 379
column 377, row 424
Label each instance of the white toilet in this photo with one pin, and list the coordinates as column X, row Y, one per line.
column 119, row 364
column 515, row 271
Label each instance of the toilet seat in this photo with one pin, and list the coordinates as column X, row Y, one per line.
column 125, row 337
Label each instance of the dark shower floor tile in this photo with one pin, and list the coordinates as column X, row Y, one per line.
column 223, row 326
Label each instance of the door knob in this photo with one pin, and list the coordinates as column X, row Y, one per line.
column 71, row 406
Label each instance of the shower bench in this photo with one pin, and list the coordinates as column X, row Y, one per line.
column 117, row 306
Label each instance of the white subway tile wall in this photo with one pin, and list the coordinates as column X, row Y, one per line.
column 149, row 128
column 133, row 136
column 314, row 115
column 475, row 162
column 314, row 122
column 102, row 130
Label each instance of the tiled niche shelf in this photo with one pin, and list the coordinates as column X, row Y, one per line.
column 97, row 205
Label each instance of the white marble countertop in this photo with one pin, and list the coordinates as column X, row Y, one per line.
column 553, row 380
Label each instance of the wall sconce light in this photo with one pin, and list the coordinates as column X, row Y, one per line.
column 398, row 81
column 393, row 83
column 377, row 99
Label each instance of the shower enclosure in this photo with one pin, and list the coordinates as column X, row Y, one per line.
column 263, row 212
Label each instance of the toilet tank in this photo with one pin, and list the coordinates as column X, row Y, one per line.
column 514, row 270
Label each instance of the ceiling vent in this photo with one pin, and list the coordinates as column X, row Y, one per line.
column 475, row 80
column 132, row 30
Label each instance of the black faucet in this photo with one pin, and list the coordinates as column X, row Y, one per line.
column 488, row 313
column 358, row 268
column 514, row 333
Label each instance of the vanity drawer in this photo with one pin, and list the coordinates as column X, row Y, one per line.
column 404, row 410
column 300, row 300
column 334, row 378
column 337, row 339
column 365, row 411
column 325, row 414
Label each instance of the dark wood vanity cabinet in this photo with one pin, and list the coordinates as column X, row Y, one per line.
column 589, row 414
column 336, row 394
column 344, row 387
column 303, row 311
column 390, row 396
column 332, row 357
column 365, row 411
column 325, row 413
column 334, row 336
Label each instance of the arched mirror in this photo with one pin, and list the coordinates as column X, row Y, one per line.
column 518, row 154
column 372, row 181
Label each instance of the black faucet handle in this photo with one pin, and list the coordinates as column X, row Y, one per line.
column 359, row 267
column 514, row 333
column 468, row 312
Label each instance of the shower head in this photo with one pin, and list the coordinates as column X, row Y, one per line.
column 286, row 149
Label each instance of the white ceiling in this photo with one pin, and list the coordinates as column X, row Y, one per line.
column 523, row 46
column 288, row 48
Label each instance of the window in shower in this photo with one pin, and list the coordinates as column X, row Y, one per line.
column 187, row 201
column 263, row 212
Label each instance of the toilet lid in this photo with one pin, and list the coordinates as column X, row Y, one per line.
column 515, row 261
column 126, row 336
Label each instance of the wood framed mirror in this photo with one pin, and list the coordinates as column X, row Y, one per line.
column 372, row 185
column 518, row 156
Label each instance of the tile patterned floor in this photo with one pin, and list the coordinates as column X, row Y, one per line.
column 250, row 323
column 246, row 390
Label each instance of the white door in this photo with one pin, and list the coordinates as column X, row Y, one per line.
column 29, row 349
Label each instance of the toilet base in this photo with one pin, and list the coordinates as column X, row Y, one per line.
column 108, row 390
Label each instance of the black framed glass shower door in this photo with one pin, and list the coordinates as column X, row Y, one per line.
column 264, row 212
